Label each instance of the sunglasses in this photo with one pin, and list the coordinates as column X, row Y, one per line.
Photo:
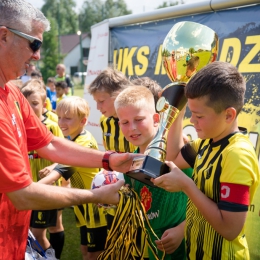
column 35, row 44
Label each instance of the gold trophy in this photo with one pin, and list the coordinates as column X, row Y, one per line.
column 187, row 48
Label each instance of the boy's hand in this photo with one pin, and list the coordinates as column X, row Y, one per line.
column 108, row 194
column 173, row 181
column 171, row 239
column 121, row 162
column 45, row 171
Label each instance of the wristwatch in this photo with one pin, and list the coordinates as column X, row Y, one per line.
column 105, row 160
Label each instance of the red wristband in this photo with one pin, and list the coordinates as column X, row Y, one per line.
column 105, row 160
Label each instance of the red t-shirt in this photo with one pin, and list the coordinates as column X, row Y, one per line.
column 20, row 131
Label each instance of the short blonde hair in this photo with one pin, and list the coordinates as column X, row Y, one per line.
column 61, row 66
column 73, row 105
column 137, row 96
column 17, row 82
column 34, row 86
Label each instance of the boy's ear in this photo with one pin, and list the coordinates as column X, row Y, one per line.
column 156, row 119
column 231, row 114
column 84, row 121
column 45, row 103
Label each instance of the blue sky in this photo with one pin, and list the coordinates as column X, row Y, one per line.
column 137, row 6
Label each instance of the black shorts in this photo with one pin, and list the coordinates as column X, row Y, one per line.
column 43, row 218
column 94, row 238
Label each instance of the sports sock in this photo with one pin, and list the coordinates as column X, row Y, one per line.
column 57, row 242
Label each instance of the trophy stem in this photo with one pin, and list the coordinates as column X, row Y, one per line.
column 157, row 147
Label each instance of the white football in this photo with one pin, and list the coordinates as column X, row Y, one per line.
column 103, row 178
column 106, row 177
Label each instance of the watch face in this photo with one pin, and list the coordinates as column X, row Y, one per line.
column 160, row 104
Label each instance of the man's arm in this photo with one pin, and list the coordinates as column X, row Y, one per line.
column 226, row 223
column 43, row 197
column 66, row 152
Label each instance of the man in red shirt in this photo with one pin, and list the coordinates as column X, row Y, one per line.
column 21, row 32
column 173, row 65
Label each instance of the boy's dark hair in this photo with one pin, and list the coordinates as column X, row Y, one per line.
column 151, row 84
column 109, row 80
column 61, row 84
column 221, row 83
column 51, row 80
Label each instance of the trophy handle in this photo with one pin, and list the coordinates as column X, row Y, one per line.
column 174, row 93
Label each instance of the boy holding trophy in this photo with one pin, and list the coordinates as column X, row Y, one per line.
column 226, row 172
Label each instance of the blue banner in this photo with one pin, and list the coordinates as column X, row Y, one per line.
column 136, row 51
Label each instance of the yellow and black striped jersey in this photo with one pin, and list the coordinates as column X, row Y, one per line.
column 87, row 214
column 231, row 160
column 36, row 162
column 113, row 137
column 52, row 116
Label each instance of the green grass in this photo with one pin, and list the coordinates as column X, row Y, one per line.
column 71, row 249
column 79, row 92
column 204, row 59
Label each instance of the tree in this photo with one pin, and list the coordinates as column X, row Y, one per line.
column 63, row 21
column 191, row 50
column 63, row 13
column 50, row 55
column 94, row 11
column 166, row 4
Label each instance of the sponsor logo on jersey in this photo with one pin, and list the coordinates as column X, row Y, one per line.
column 153, row 215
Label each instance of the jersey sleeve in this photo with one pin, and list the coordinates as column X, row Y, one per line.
column 38, row 135
column 190, row 150
column 239, row 179
column 65, row 171
column 20, row 129
column 241, row 167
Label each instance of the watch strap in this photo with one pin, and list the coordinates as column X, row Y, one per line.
column 105, row 160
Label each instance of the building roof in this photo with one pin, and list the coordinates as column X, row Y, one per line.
column 70, row 41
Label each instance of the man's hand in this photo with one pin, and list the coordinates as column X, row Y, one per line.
column 173, row 181
column 108, row 194
column 171, row 239
column 121, row 162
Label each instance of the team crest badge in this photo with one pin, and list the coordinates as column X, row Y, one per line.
column 146, row 198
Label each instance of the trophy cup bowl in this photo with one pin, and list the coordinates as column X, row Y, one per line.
column 186, row 49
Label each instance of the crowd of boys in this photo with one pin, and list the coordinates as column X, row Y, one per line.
column 198, row 216
column 129, row 122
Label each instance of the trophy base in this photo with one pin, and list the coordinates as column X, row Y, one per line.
column 146, row 167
